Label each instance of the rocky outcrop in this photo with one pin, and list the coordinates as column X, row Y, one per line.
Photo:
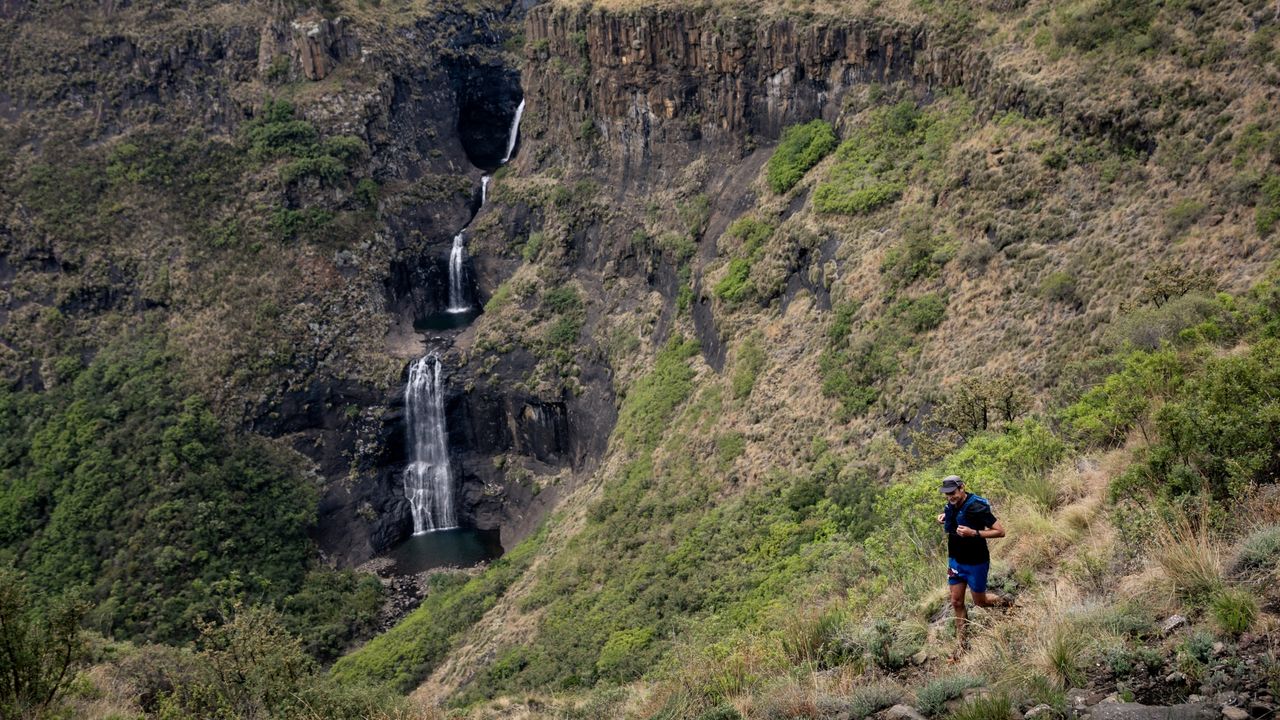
column 319, row 44
column 659, row 86
column 649, row 90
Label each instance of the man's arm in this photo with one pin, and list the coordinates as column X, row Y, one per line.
column 992, row 531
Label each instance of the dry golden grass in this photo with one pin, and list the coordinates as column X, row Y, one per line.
column 1191, row 558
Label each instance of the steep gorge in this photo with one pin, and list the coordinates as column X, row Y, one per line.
column 689, row 387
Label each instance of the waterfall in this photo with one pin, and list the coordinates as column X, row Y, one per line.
column 457, row 289
column 484, row 189
column 514, row 134
column 428, row 481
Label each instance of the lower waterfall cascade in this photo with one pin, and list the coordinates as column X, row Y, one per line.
column 428, row 478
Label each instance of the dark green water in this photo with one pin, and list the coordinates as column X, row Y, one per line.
column 460, row 547
column 446, row 320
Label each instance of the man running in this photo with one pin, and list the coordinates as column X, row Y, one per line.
column 969, row 523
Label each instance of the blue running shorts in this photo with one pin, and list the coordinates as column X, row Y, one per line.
column 975, row 576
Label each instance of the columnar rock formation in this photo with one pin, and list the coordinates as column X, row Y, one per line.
column 659, row 86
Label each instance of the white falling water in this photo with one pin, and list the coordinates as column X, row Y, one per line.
column 458, row 254
column 514, row 133
column 428, row 481
column 457, row 289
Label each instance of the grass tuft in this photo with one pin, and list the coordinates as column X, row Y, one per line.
column 990, row 707
column 1190, row 560
column 932, row 699
column 1234, row 610
column 1063, row 654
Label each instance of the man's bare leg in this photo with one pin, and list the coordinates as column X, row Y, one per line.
column 986, row 599
column 961, row 614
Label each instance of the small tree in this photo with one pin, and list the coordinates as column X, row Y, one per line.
column 1170, row 279
column 40, row 647
column 982, row 402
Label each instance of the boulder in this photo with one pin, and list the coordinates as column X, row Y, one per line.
column 902, row 712
column 1040, row 711
column 1235, row 713
column 1172, row 623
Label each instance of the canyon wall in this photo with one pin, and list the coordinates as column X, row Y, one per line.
column 659, row 87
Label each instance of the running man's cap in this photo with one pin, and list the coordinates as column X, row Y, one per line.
column 951, row 483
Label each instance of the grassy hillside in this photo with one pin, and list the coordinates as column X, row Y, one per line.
column 1033, row 302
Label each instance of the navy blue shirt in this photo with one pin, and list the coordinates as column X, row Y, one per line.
column 974, row 512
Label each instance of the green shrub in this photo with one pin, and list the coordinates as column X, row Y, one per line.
column 250, row 666
column 923, row 313
column 1234, row 610
column 533, row 246
column 752, row 232
column 680, row 248
column 801, row 147
column 735, row 286
column 1150, row 327
column 332, row 609
column 563, row 300
column 749, row 364
column 564, row 332
column 1106, row 413
column 842, row 195
column 920, row 253
column 345, row 148
column 729, row 447
column 654, row 398
column 1220, row 433
column 43, row 647
column 618, row 658
column 1059, row 287
column 275, row 133
column 1260, row 551
column 693, row 214
column 287, row 224
column 933, row 697
column 324, row 167
column 367, row 192
column 991, row 707
column 1268, row 213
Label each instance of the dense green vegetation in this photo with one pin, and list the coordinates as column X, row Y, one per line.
column 874, row 163
column 119, row 480
column 801, row 147
column 751, row 234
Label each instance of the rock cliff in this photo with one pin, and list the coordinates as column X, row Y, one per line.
column 661, row 86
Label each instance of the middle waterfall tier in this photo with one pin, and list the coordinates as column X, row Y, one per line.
column 428, row 478
column 457, row 270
